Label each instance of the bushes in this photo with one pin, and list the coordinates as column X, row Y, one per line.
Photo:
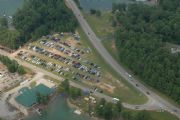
column 3, row 23
column 12, row 65
column 95, row 12
column 42, row 99
column 107, row 110
column 71, row 91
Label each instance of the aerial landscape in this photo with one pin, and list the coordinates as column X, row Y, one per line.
column 89, row 60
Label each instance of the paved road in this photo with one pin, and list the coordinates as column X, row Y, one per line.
column 155, row 101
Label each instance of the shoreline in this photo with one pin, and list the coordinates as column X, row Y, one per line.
column 73, row 106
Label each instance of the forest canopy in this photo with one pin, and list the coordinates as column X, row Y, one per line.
column 142, row 39
column 41, row 17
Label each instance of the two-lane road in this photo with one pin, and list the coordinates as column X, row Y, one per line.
column 154, row 99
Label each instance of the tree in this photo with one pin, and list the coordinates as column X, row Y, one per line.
column 92, row 11
column 12, row 65
column 4, row 22
column 78, row 4
column 108, row 114
column 100, row 107
column 42, row 99
column 75, row 92
column 21, row 70
column 65, row 85
column 108, row 110
column 143, row 116
column 98, row 13
column 127, row 115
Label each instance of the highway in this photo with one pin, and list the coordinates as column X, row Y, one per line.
column 155, row 101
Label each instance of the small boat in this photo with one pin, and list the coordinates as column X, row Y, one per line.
column 78, row 112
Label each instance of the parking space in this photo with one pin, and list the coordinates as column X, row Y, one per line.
column 62, row 54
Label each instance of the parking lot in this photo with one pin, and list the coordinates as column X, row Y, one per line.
column 64, row 55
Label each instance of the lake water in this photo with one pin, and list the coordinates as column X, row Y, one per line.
column 9, row 7
column 103, row 5
column 58, row 110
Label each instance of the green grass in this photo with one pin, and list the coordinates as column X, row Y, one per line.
column 54, row 80
column 101, row 25
column 29, row 71
column 162, row 116
column 33, row 84
column 108, row 44
column 156, row 115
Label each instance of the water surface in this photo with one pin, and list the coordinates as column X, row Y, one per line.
column 9, row 7
column 58, row 110
column 103, row 5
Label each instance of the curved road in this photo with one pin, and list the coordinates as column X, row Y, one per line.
column 155, row 101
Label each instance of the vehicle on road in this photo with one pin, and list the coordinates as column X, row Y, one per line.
column 148, row 93
column 115, row 100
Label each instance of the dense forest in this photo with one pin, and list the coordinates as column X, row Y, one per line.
column 7, row 37
column 141, row 39
column 41, row 17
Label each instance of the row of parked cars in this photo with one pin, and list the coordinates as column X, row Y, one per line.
column 63, row 49
column 45, row 64
column 67, row 61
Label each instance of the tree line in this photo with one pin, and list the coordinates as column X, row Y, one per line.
column 41, row 17
column 7, row 37
column 3, row 22
column 42, row 99
column 72, row 92
column 95, row 12
column 12, row 65
column 141, row 39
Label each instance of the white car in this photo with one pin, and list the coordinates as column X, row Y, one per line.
column 115, row 100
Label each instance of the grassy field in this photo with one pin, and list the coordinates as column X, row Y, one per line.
column 101, row 25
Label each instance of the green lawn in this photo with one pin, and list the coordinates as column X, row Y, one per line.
column 101, row 25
